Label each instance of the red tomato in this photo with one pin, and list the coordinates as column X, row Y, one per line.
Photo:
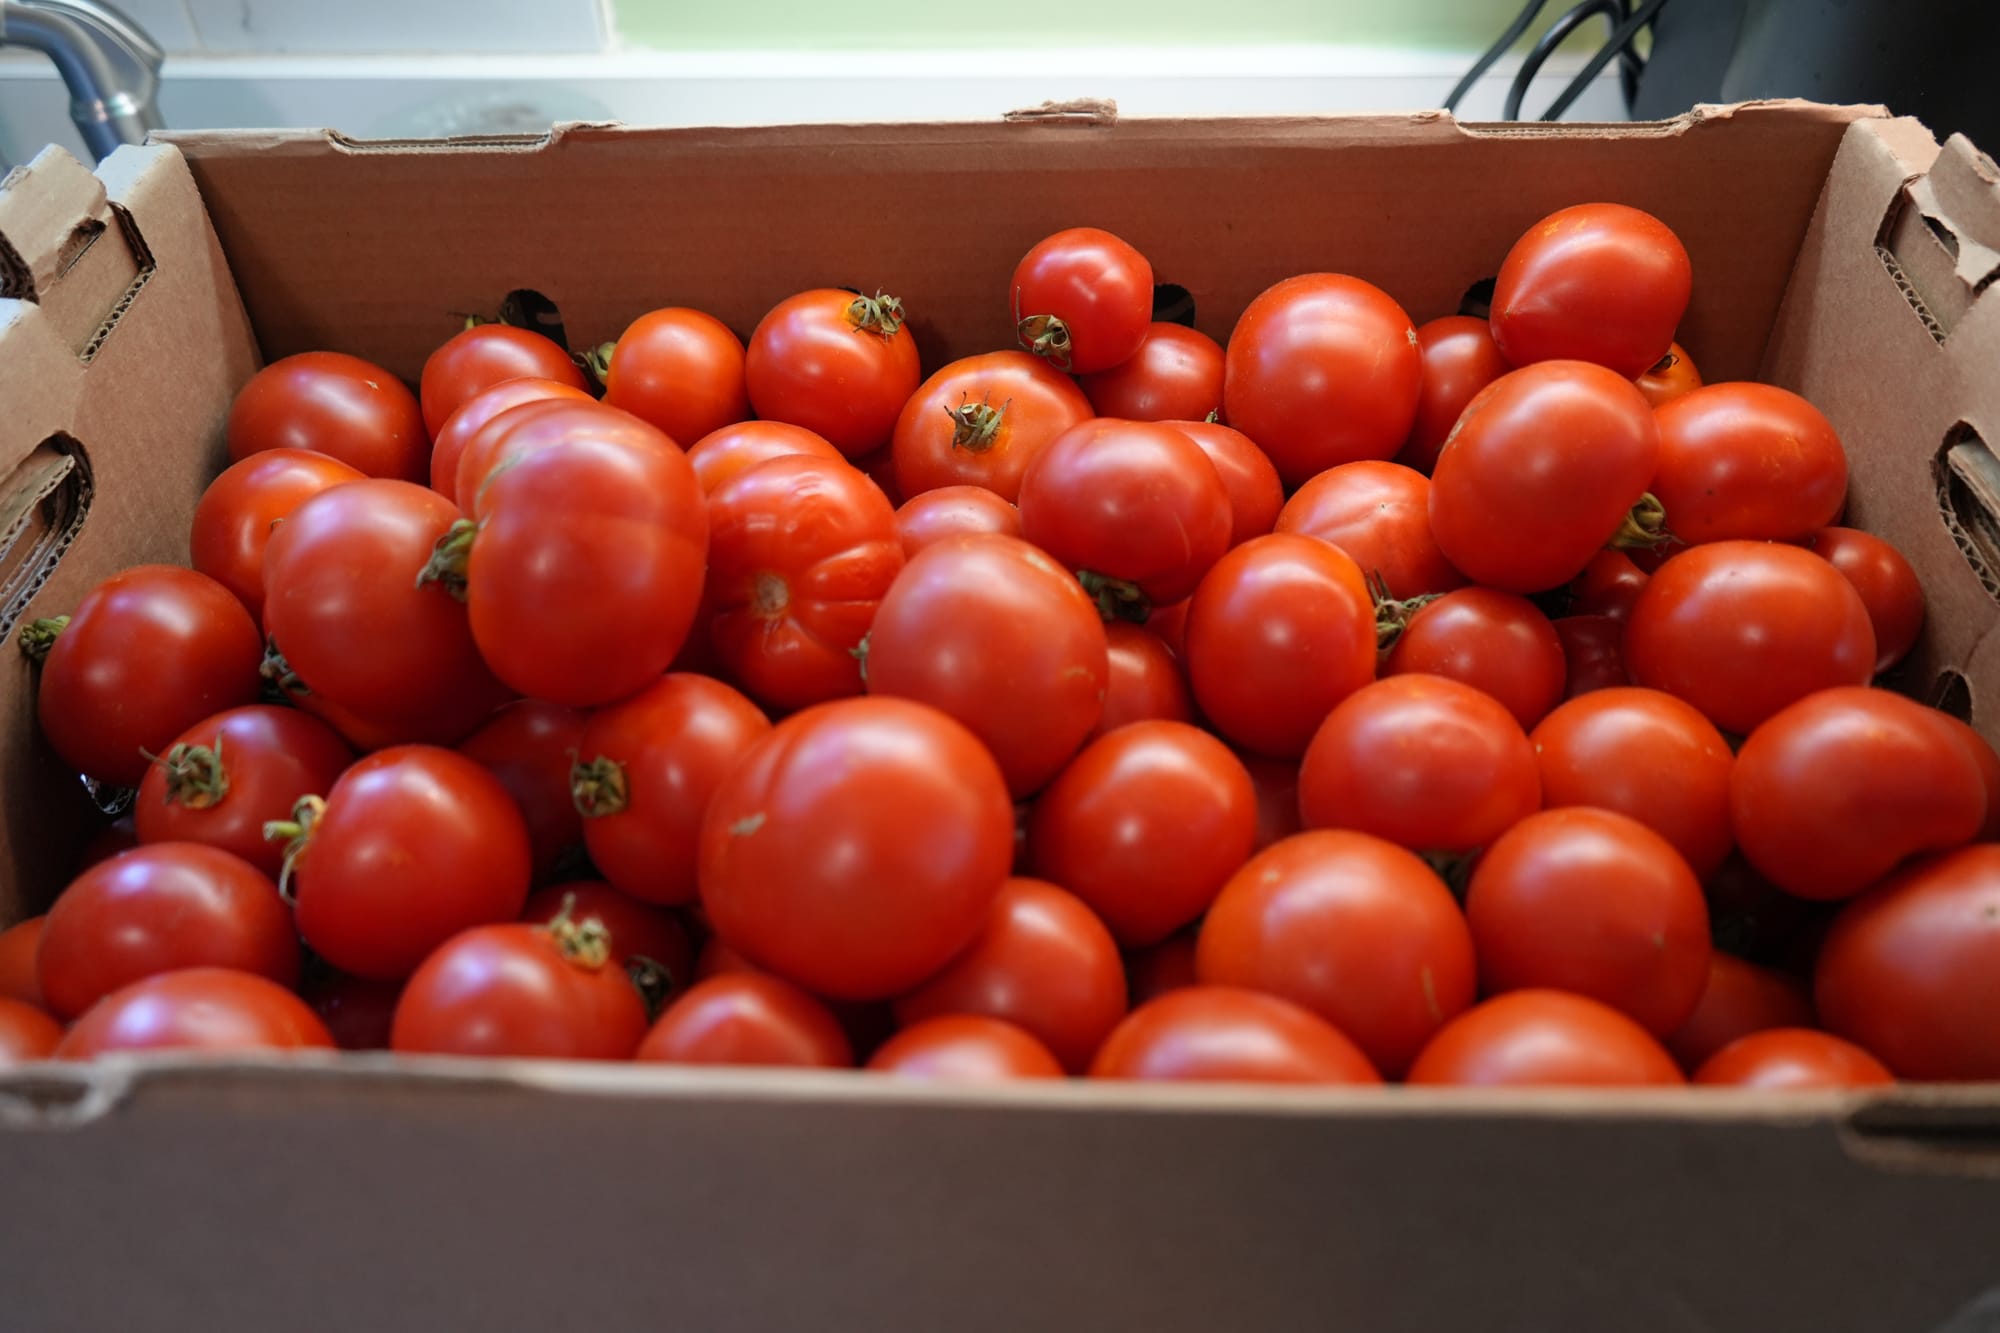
column 1989, row 771
column 838, row 364
column 529, row 746
column 1277, row 784
column 953, row 511
column 1000, row 637
column 1220, row 1033
column 1792, row 1060
column 196, row 1008
column 1143, row 682
column 1747, row 462
column 223, row 779
column 1646, row 755
column 1083, row 300
column 981, row 421
column 1608, row 586
column 1176, row 375
column 1355, row 929
column 524, row 991
column 1742, row 629
column 863, row 1024
column 1542, row 916
column 919, row 816
column 1596, row 282
column 1281, row 630
column 476, row 359
column 801, row 552
column 1134, row 506
column 1043, row 962
column 1887, row 584
column 1593, row 654
column 730, row 452
column 1322, row 369
column 1162, row 967
column 26, row 1033
column 965, row 1048
column 645, row 770
column 1379, row 513
column 530, row 427
column 1833, row 792
column 680, row 370
column 1671, row 376
column 233, row 522
column 1168, row 624
column 1457, row 358
column 334, row 404
column 147, row 653
column 1145, row 826
column 18, row 944
column 1493, row 641
column 637, row 930
column 358, row 1013
column 1546, row 1038
column 1740, row 998
column 412, row 846
column 747, row 1018
column 1255, row 493
column 1545, row 467
column 448, row 450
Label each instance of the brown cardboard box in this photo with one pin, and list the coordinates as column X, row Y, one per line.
column 1835, row 251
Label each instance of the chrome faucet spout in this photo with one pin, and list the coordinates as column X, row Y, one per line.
column 109, row 64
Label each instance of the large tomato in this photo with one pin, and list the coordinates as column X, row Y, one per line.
column 1220, row 1033
column 459, row 430
column 1593, row 649
column 1176, row 375
column 836, row 363
column 730, row 452
column 981, row 421
column 965, row 1048
column 1887, row 584
column 1356, row 929
column 1496, row 642
column 1792, row 1060
column 953, row 511
column 529, row 745
column 530, row 427
column 1322, row 369
column 1747, row 461
column 240, row 508
column 26, row 1033
column 18, row 945
column 476, row 359
column 1379, row 513
column 1596, row 282
column 525, row 991
column 334, row 404
column 1546, row 466
column 1671, row 376
column 919, row 815
column 1143, row 682
column 1458, row 358
column 1256, row 495
column 747, row 1018
column 801, row 552
column 1739, row 998
column 999, row 636
column 196, row 1008
column 1083, row 300
column 680, row 370
column 1550, row 1038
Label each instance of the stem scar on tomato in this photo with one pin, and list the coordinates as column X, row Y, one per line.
column 38, row 636
column 195, row 775
column 880, row 314
column 1117, row 599
column 1392, row 614
column 597, row 787
column 449, row 558
column 281, row 683
column 974, row 425
column 586, row 943
column 1645, row 526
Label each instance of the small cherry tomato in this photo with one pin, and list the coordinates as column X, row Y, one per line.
column 18, row 944
column 1176, row 375
column 965, row 1048
column 1255, row 493
column 1222, row 1034
column 1545, row 1038
column 1596, row 282
column 981, row 421
column 233, row 522
column 196, row 1008
column 1740, row 998
column 1608, row 586
column 1143, row 682
column 836, row 363
column 1593, row 654
column 523, row 991
column 1887, row 584
column 1379, row 513
column 1495, row 642
column 1162, row 967
column 1792, row 1060
column 953, row 511
column 26, row 1033
column 1747, row 462
column 1458, row 358
column 730, row 452
column 529, row 746
column 1671, row 376
column 1082, row 300
column 747, row 1018
column 334, row 404
column 448, row 450
column 476, row 359
column 680, row 370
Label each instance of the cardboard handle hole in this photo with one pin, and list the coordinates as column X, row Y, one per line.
column 1968, row 493
column 526, row 308
column 1478, row 299
column 1173, row 304
column 1915, row 1134
column 43, row 504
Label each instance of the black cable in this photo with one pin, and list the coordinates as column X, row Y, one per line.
column 1519, row 26
column 1630, row 63
column 1613, row 12
column 1616, row 43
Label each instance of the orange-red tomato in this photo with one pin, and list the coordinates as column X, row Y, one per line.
column 1083, row 299
column 233, row 522
column 18, row 943
column 838, row 364
column 1792, row 1060
column 1887, row 584
column 1255, row 493
column 747, row 1018
column 1547, row 1038
column 1671, row 376
column 26, row 1033
column 1496, row 642
column 953, row 511
column 334, row 404
column 1459, row 358
column 1143, row 682
column 478, row 358
column 680, row 370
column 982, row 421
column 524, row 991
column 1594, row 282
column 726, row 454
column 196, row 1008
column 1379, row 513
column 1221, row 1033
column 1747, row 462
column 1176, row 375
column 1739, row 999
column 964, row 1048
column 636, row 930
column 471, row 418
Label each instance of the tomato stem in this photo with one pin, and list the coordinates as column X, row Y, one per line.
column 976, row 425
column 195, row 775
column 597, row 787
column 296, row 833
column 38, row 636
column 597, row 362
column 281, row 683
column 586, row 943
column 449, row 559
column 1117, row 599
column 1047, row 337
column 1645, row 526
column 880, row 313
column 859, row 652
column 1392, row 614
column 1214, row 417
column 652, row 979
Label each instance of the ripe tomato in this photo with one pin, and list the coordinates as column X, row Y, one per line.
column 1593, row 654
column 1143, row 682
column 1741, row 629
column 1887, row 584
column 1457, row 358
column 636, row 930
column 1169, row 965
column 147, row 653
column 1176, row 375
column 1646, row 755
column 680, row 370
column 223, row 779
column 412, row 845
column 1833, row 792
column 475, row 359
column 1168, row 624
column 730, row 452
column 1740, row 998
column 529, row 746
column 1134, row 506
column 953, row 511
column 801, row 552
column 1545, row 467
column 540, row 423
column 836, row 363
column 1671, row 376
column 1792, row 1060
column 334, row 404
column 1220, row 1033
column 919, row 814
column 1493, row 641
column 26, row 1033
column 1911, row 969
column 18, row 944
column 644, row 772
column 1280, row 631
column 1322, row 369
column 1255, row 493
column 358, row 1013
column 1608, row 586
column 1597, row 282
column 981, row 421
column 1043, row 962
column 1747, row 462
column 1353, row 928
column 747, row 1018
column 1989, row 771
column 965, row 1048
column 196, row 1008
column 233, row 522
column 1277, row 784
column 448, row 450
column 1000, row 637
column 1544, row 1038
column 1145, row 826
column 524, row 991
column 1379, row 513
column 1083, row 300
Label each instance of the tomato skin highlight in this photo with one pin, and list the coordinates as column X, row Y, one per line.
column 333, row 404
column 964, row 1048
column 982, row 421
column 512, row 990
column 1792, row 1060
column 728, row 453
column 838, row 364
column 1175, row 375
column 953, row 511
column 1221, row 1033
column 1594, row 282
column 747, row 1018
column 1379, row 513
column 1097, row 286
column 196, row 1008
column 1545, row 1038
column 680, row 370
column 476, row 359
column 1496, row 642
column 236, row 515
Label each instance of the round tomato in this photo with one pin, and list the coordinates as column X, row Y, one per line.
column 1497, row 643
column 1169, row 965
column 730, row 452
column 1220, row 1033
column 147, row 653
column 233, row 522
column 334, row 404
column 1741, row 629
column 18, row 944
column 1597, row 282
column 1593, row 654
column 680, row 370
column 645, row 770
column 529, row 746
column 836, row 363
column 1739, row 998
column 1989, row 772
column 1145, row 826
column 1887, row 584
column 801, row 552
column 747, row 1018
column 965, row 1048
column 1082, row 300
column 1792, row 1060
column 26, row 1033
column 1544, row 1038
column 953, row 511
column 1747, row 462
column 523, row 991
column 1168, row 624
column 918, row 813
column 475, row 359
column 1608, row 586
column 1277, row 784
column 410, row 847
column 196, row 1008
column 636, row 931
column 1143, row 682
column 1255, row 493
column 448, row 450
column 981, row 421
column 1671, row 376
column 1353, row 928
column 358, row 1013
column 531, row 427
column 1457, row 358
column 1176, row 375
column 1545, row 467
column 1379, row 513
column 1322, row 369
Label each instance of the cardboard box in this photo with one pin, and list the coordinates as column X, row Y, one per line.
column 1836, row 251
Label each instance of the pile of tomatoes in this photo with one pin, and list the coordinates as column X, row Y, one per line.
column 1486, row 702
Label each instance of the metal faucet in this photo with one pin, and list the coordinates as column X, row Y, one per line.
column 109, row 63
